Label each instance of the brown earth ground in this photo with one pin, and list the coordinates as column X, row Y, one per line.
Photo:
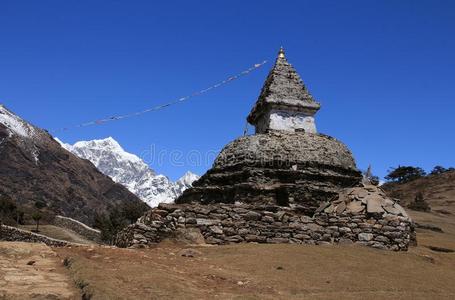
column 33, row 271
column 258, row 271
column 242, row 271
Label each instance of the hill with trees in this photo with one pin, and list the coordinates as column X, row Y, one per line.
column 414, row 188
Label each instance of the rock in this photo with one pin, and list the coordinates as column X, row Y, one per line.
column 401, row 209
column 365, row 237
column 302, row 236
column 306, row 219
column 279, row 215
column 382, row 239
column 379, row 246
column 345, row 230
column 374, row 205
column 216, row 229
column 355, row 207
column 268, row 219
column 234, row 239
column 329, row 209
column 191, row 221
column 255, row 238
column 190, row 235
column 344, row 241
column 212, row 240
column 243, row 231
column 31, row 263
column 341, row 207
column 136, row 236
column 315, row 227
column 201, row 221
column 252, row 216
column 322, row 206
column 392, row 210
column 190, row 252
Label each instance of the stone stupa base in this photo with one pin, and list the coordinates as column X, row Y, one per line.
column 361, row 215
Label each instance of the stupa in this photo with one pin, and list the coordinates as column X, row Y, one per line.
column 286, row 162
column 284, row 184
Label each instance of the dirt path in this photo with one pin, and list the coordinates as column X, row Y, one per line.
column 33, row 271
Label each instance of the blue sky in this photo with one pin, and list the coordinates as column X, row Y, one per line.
column 383, row 71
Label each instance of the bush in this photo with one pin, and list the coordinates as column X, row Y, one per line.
column 119, row 217
column 36, row 216
column 404, row 174
column 10, row 214
column 40, row 204
column 440, row 169
column 419, row 203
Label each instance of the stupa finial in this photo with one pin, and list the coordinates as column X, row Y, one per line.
column 281, row 53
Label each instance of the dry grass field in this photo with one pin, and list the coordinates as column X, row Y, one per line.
column 242, row 271
column 258, row 271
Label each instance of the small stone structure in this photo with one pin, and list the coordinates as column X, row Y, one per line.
column 8, row 233
column 78, row 227
column 284, row 184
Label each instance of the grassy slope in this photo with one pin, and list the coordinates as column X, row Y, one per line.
column 58, row 233
column 438, row 190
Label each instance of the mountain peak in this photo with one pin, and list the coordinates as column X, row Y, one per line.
column 131, row 171
column 14, row 124
column 107, row 142
column 188, row 178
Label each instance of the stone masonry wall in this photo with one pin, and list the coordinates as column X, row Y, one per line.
column 78, row 227
column 231, row 223
column 8, row 233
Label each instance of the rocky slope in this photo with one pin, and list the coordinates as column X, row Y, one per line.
column 131, row 171
column 438, row 190
column 34, row 168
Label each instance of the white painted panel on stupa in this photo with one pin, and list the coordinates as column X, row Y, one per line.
column 285, row 121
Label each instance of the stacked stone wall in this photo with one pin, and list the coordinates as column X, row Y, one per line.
column 78, row 227
column 226, row 223
column 8, row 233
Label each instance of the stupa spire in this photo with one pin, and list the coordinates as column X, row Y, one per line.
column 284, row 104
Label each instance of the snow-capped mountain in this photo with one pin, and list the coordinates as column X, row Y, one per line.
column 14, row 124
column 25, row 132
column 35, row 168
column 131, row 171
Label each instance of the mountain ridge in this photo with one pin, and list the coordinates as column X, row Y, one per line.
column 130, row 170
column 35, row 168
